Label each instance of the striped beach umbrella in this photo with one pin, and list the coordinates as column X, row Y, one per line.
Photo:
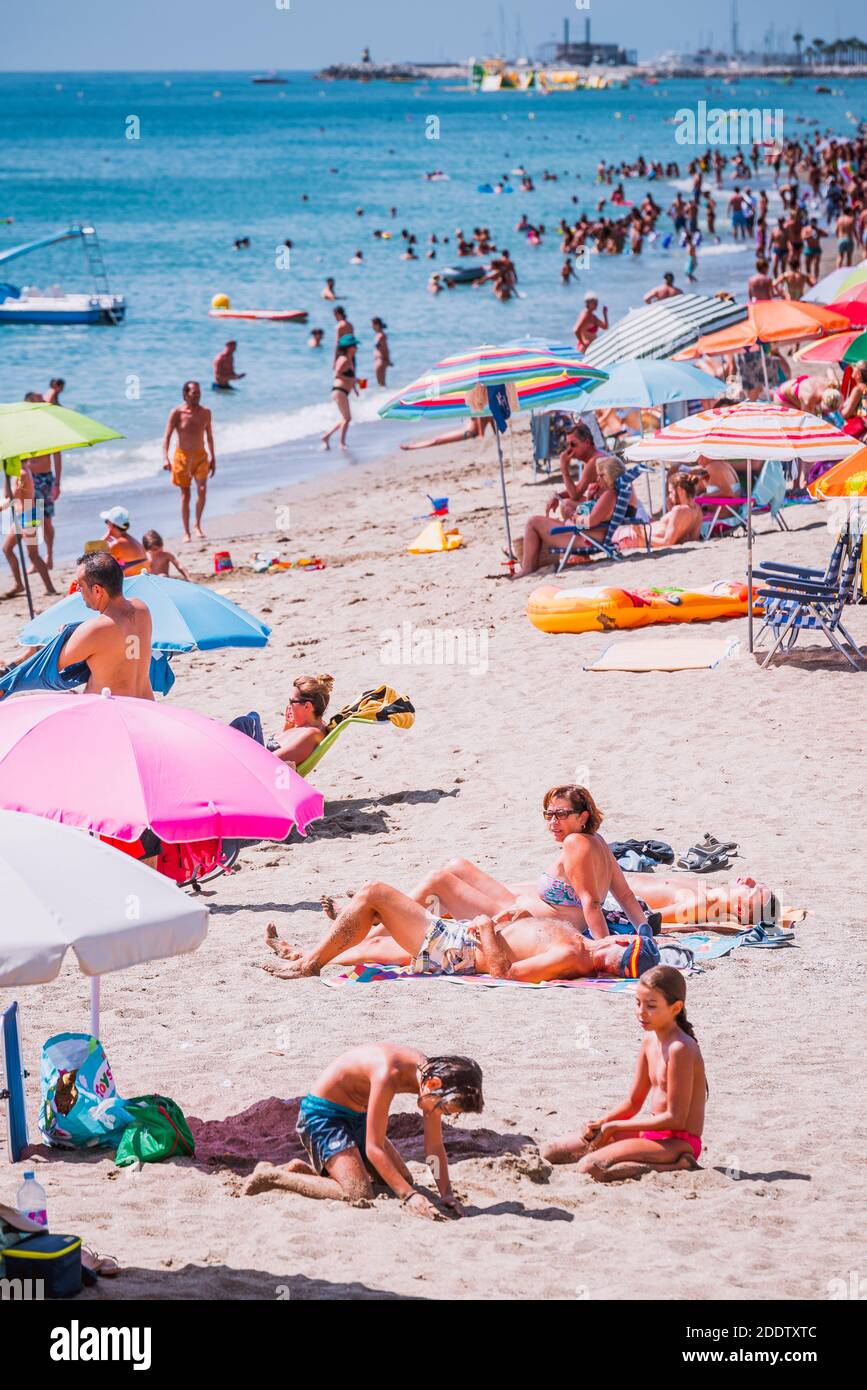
column 753, row 431
column 834, row 349
column 494, row 381
column 661, row 329
column 835, row 285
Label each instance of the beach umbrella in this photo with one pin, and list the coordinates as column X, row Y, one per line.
column 835, row 284
column 660, row 329
column 493, row 381
column 186, row 617
column 645, row 382
column 857, row 350
column 848, row 478
column 853, row 304
column 753, row 431
column 768, row 321
column 138, row 764
column 64, row 890
column 31, row 428
column 832, row 350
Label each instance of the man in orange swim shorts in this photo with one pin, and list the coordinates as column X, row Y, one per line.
column 193, row 459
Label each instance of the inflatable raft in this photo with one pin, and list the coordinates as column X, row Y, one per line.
column 553, row 609
column 274, row 315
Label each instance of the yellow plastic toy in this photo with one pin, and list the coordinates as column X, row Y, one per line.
column 434, row 538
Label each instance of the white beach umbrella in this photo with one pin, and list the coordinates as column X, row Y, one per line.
column 61, row 889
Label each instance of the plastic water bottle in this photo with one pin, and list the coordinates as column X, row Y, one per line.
column 32, row 1201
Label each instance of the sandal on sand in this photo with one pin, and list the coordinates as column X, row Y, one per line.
column 709, row 842
column 768, row 937
column 700, row 860
column 104, row 1265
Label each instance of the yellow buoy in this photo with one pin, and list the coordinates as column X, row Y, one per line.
column 220, row 301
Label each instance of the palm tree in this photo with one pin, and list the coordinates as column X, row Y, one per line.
column 809, row 53
column 819, row 46
column 798, row 39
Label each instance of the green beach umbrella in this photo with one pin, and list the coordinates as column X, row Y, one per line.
column 857, row 350
column 30, row 428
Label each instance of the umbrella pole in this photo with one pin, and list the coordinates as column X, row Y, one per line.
column 94, row 1006
column 25, row 576
column 750, row 551
column 765, row 372
column 509, row 551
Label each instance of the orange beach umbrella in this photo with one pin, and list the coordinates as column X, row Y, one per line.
column 848, row 478
column 769, row 321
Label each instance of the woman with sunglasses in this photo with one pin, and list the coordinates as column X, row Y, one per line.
column 304, row 728
column 587, row 887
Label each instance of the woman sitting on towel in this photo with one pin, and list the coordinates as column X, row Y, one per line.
column 585, row 886
column 304, row 728
column 681, row 523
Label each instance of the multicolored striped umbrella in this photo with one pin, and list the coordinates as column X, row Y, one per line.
column 534, row 376
column 751, row 430
column 834, row 285
column 496, row 366
column 833, row 349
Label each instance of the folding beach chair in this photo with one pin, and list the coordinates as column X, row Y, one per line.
column 771, row 569
column 794, row 604
column 723, row 516
column 624, row 514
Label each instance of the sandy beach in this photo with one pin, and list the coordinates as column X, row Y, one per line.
column 771, row 759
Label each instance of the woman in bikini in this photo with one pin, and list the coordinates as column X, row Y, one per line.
column 303, row 727
column 344, row 382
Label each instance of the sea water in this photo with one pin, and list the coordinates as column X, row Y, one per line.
column 216, row 158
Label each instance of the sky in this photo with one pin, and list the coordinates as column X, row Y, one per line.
column 135, row 35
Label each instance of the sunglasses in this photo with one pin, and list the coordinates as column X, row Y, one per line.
column 301, row 702
column 559, row 815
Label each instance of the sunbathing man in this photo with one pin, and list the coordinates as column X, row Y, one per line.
column 517, row 946
column 116, row 644
column 343, row 1125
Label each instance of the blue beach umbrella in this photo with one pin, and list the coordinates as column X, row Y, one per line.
column 646, row 382
column 185, row 616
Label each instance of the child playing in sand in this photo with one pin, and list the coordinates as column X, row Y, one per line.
column 159, row 559
column 670, row 1067
column 342, row 1124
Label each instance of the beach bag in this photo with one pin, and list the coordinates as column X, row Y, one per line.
column 157, row 1129
column 80, row 1105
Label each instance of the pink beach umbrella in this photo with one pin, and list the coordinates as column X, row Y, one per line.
column 117, row 765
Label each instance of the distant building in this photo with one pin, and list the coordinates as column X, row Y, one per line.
column 584, row 53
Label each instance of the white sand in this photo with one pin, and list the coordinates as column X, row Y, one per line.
column 773, row 759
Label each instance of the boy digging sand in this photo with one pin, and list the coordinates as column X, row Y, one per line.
column 670, row 1067
column 342, row 1124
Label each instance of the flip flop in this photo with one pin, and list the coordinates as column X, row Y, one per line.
column 703, row 861
column 765, row 936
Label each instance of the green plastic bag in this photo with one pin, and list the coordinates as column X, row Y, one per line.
column 158, row 1130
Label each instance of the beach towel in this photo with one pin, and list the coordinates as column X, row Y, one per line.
column 42, row 670
column 666, row 654
column 687, row 951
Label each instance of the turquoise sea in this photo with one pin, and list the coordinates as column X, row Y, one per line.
column 220, row 158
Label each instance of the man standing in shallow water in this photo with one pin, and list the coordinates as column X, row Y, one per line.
column 191, row 461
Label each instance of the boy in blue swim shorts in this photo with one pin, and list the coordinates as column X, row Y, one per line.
column 343, row 1123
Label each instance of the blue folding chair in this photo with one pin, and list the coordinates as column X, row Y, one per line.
column 624, row 514
column 794, row 604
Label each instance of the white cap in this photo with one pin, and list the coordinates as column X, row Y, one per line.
column 116, row 516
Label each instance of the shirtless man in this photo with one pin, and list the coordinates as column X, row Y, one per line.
column 667, row 290
column 845, row 231
column 21, row 506
column 512, row 946
column 224, row 368
column 793, row 283
column 191, row 460
column 588, row 323
column 129, row 553
column 580, row 448
column 116, row 644
column 343, row 329
column 760, row 286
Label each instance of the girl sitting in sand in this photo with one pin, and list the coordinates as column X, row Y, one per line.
column 303, row 727
column 671, row 1070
